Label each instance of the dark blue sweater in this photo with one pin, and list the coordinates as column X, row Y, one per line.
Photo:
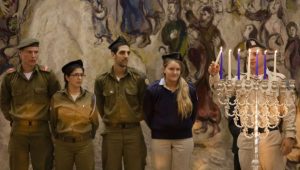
column 161, row 113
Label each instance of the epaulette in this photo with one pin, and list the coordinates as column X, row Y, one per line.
column 102, row 75
column 44, row 68
column 11, row 70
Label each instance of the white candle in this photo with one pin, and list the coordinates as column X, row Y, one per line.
column 275, row 60
column 229, row 64
column 218, row 57
column 248, row 66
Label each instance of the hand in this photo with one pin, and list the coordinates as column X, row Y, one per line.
column 213, row 69
column 287, row 145
column 3, row 7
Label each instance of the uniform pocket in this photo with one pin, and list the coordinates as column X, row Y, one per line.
column 18, row 97
column 41, row 95
column 132, row 97
column 110, row 97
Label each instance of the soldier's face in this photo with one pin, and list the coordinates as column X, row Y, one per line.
column 75, row 78
column 29, row 56
column 253, row 58
column 121, row 56
column 172, row 71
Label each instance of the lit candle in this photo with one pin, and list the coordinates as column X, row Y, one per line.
column 265, row 64
column 248, row 66
column 229, row 64
column 239, row 65
column 218, row 57
column 275, row 60
column 256, row 63
column 221, row 66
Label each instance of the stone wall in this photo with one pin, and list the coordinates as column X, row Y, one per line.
column 69, row 29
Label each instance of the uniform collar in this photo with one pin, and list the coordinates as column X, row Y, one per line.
column 20, row 69
column 127, row 72
column 82, row 92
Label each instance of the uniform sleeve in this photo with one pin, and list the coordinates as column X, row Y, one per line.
column 142, row 86
column 94, row 116
column 53, row 118
column 98, row 91
column 5, row 98
column 54, row 84
column 148, row 107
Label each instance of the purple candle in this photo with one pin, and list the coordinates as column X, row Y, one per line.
column 265, row 64
column 256, row 65
column 239, row 65
column 221, row 66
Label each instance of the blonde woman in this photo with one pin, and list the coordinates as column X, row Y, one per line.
column 170, row 110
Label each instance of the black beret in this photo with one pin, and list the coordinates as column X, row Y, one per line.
column 251, row 43
column 28, row 42
column 174, row 56
column 70, row 64
column 118, row 42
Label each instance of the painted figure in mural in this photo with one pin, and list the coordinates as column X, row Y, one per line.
column 174, row 32
column 11, row 16
column 25, row 99
column 119, row 94
column 279, row 142
column 170, row 111
column 273, row 32
column 136, row 19
column 74, row 121
column 292, row 53
column 100, row 22
column 249, row 32
column 210, row 38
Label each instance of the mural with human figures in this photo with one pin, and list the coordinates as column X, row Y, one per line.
column 195, row 28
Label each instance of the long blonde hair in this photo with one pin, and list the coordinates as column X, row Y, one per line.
column 184, row 102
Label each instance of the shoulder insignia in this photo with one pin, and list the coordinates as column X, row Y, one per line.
column 11, row 70
column 147, row 81
column 44, row 68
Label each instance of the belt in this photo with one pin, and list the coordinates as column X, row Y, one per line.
column 74, row 138
column 30, row 122
column 123, row 125
column 261, row 130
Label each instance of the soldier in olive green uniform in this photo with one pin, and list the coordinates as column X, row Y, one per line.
column 25, row 98
column 74, row 121
column 119, row 95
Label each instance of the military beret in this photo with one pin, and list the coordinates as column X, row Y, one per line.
column 251, row 43
column 28, row 42
column 174, row 56
column 65, row 68
column 118, row 42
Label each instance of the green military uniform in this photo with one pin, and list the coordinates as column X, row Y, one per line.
column 25, row 103
column 74, row 124
column 120, row 105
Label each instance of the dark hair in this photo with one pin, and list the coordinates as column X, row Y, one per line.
column 70, row 70
column 290, row 25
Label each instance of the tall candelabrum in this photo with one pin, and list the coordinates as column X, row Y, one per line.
column 258, row 105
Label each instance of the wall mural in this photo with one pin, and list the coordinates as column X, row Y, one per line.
column 191, row 27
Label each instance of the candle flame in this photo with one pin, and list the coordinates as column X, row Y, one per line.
column 239, row 50
column 265, row 52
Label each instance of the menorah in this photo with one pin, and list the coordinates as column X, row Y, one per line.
column 259, row 104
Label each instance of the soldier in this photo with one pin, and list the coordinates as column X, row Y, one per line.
column 119, row 94
column 74, row 121
column 25, row 98
column 279, row 142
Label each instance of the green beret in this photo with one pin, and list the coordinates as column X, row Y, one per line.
column 28, row 42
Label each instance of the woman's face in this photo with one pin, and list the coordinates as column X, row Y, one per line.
column 274, row 6
column 292, row 32
column 75, row 78
column 172, row 71
column 248, row 30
